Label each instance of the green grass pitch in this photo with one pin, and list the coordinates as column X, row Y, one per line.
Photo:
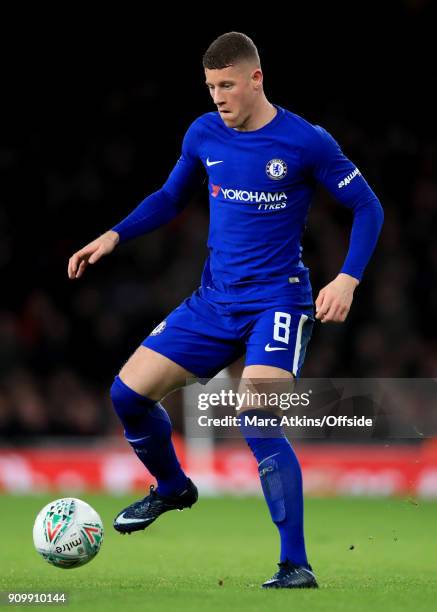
column 368, row 554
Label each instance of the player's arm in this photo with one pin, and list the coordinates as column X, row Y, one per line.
column 344, row 181
column 155, row 210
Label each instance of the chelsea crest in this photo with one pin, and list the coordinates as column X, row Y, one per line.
column 276, row 169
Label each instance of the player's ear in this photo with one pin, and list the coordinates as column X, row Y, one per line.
column 257, row 78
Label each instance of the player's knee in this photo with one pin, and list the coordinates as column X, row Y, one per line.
column 144, row 386
column 151, row 374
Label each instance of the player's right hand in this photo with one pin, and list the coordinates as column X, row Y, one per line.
column 92, row 252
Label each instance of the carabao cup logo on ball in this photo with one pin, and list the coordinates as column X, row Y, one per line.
column 276, row 169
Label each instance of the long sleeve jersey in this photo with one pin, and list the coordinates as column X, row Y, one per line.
column 261, row 184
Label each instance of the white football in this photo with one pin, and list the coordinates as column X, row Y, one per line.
column 68, row 532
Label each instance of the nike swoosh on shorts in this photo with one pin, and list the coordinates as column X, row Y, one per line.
column 269, row 348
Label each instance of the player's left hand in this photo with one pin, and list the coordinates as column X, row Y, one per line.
column 334, row 301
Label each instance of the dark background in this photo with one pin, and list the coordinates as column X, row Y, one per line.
column 92, row 119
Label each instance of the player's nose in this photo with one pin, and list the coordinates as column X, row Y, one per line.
column 218, row 99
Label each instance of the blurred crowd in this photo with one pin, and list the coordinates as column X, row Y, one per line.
column 62, row 342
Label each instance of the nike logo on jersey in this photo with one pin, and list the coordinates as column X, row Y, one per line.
column 213, row 163
column 269, row 348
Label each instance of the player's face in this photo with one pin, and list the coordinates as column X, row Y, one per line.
column 234, row 91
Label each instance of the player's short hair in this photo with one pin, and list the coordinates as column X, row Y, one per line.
column 229, row 49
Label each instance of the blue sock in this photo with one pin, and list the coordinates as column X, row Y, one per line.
column 147, row 428
column 281, row 480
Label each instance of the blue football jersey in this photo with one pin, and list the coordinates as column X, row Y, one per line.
column 261, row 184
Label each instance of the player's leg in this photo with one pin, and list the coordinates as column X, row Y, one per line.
column 176, row 350
column 152, row 374
column 136, row 391
column 142, row 382
column 279, row 469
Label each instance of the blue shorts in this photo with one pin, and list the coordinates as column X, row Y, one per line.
column 205, row 336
